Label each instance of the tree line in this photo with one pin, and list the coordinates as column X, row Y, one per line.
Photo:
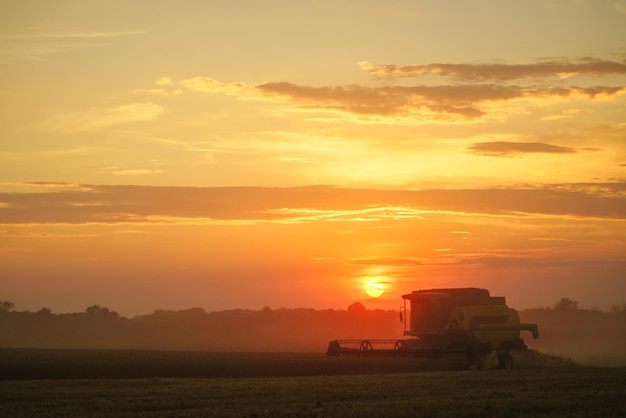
column 589, row 336
column 195, row 329
column 562, row 304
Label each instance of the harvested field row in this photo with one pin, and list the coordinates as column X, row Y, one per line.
column 26, row 364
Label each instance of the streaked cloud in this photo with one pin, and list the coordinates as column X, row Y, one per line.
column 164, row 81
column 144, row 204
column 21, row 234
column 161, row 92
column 69, row 35
column 80, row 150
column 165, row 88
column 593, row 67
column 39, row 187
column 398, row 262
column 38, row 45
column 210, row 85
column 367, row 214
column 463, row 101
column 81, row 121
column 507, row 149
column 565, row 114
column 135, row 172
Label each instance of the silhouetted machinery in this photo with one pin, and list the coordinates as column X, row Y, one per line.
column 465, row 321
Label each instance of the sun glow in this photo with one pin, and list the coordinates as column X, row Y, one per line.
column 374, row 288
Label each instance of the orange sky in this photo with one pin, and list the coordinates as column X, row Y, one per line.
column 239, row 154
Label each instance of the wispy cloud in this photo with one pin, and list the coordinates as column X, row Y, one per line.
column 368, row 214
column 161, row 92
column 477, row 97
column 21, row 234
column 164, row 88
column 565, row 114
column 38, row 187
column 507, row 149
column 135, row 172
column 69, row 35
column 80, row 150
column 246, row 205
column 164, row 81
column 210, row 85
column 36, row 46
column 90, row 120
column 501, row 72
column 398, row 262
column 460, row 102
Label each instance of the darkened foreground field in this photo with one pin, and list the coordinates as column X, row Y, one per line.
column 77, row 383
column 27, row 364
column 555, row 392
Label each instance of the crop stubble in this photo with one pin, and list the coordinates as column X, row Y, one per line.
column 546, row 391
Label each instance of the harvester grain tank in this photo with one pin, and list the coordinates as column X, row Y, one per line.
column 467, row 321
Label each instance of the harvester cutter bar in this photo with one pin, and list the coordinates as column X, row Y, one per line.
column 362, row 347
column 382, row 347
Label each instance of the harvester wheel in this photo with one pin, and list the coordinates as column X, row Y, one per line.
column 505, row 361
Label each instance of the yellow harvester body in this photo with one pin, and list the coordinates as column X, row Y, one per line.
column 460, row 320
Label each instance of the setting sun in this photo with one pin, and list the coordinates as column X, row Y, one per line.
column 374, row 288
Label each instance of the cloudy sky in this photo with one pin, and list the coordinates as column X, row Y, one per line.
column 161, row 154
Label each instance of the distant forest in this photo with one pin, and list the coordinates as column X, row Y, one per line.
column 590, row 337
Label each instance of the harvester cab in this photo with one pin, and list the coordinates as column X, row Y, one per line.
column 444, row 321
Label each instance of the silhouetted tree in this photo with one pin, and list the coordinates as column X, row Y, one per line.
column 44, row 311
column 617, row 308
column 100, row 311
column 566, row 304
column 356, row 307
column 6, row 306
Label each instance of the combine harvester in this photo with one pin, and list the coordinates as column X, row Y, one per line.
column 465, row 321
